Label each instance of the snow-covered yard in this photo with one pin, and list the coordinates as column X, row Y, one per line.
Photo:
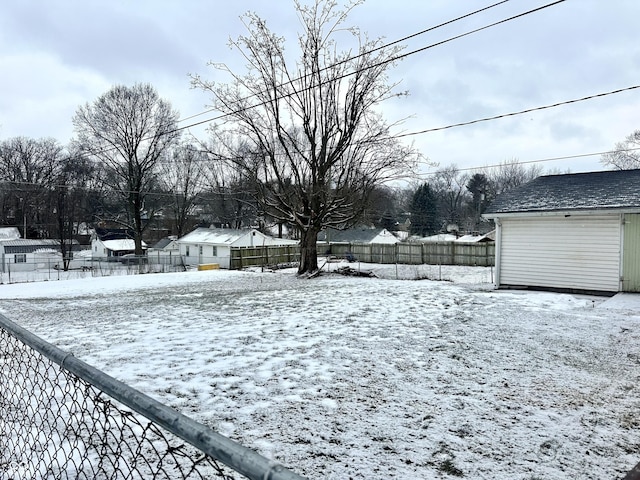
column 342, row 377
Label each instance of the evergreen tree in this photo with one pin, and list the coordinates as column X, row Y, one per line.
column 424, row 211
column 478, row 186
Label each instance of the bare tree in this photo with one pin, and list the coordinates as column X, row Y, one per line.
column 383, row 208
column 510, row 174
column 478, row 187
column 70, row 193
column 317, row 145
column 626, row 155
column 449, row 187
column 231, row 198
column 182, row 174
column 28, row 167
column 128, row 129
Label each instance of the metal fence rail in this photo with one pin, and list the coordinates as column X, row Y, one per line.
column 35, row 270
column 60, row 418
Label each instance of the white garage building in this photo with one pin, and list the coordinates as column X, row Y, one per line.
column 575, row 232
column 213, row 245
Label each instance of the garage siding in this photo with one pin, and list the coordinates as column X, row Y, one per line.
column 631, row 255
column 576, row 252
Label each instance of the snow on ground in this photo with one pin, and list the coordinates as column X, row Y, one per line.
column 348, row 377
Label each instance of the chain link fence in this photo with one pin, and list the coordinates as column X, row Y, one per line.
column 62, row 419
column 41, row 266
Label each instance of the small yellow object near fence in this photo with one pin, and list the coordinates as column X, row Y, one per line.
column 209, row 266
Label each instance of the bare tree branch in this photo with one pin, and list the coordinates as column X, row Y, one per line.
column 310, row 134
column 128, row 130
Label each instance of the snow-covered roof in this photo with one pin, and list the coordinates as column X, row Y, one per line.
column 477, row 238
column 30, row 242
column 450, row 237
column 47, row 251
column 440, row 237
column 361, row 235
column 216, row 236
column 9, row 233
column 579, row 191
column 121, row 245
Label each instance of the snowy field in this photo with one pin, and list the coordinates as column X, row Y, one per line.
column 368, row 378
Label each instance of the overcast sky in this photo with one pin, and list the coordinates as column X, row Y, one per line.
column 58, row 54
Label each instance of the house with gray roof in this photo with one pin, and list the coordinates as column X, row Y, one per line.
column 21, row 254
column 574, row 232
column 166, row 244
column 165, row 251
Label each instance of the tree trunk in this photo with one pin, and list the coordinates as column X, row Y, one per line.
column 137, row 222
column 308, row 251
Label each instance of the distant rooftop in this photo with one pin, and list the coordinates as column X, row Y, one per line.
column 20, row 242
column 350, row 235
column 163, row 242
column 578, row 191
column 9, row 233
column 216, row 236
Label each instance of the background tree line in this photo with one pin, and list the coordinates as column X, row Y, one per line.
column 54, row 191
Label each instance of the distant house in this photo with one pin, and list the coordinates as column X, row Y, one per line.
column 357, row 235
column 166, row 244
column 26, row 254
column 9, row 233
column 20, row 254
column 574, row 232
column 165, row 251
column 213, row 245
column 110, row 243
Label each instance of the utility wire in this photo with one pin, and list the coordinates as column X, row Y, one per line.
column 381, row 47
column 521, row 112
column 528, row 162
column 388, row 60
column 462, row 123
column 512, row 114
column 392, row 59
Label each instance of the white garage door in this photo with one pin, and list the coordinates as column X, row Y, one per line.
column 574, row 252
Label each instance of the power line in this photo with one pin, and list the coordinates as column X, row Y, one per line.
column 471, row 32
column 521, row 112
column 222, row 191
column 387, row 45
column 487, row 118
column 528, row 162
column 392, row 59
column 368, row 67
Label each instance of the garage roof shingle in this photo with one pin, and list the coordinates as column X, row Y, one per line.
column 578, row 191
